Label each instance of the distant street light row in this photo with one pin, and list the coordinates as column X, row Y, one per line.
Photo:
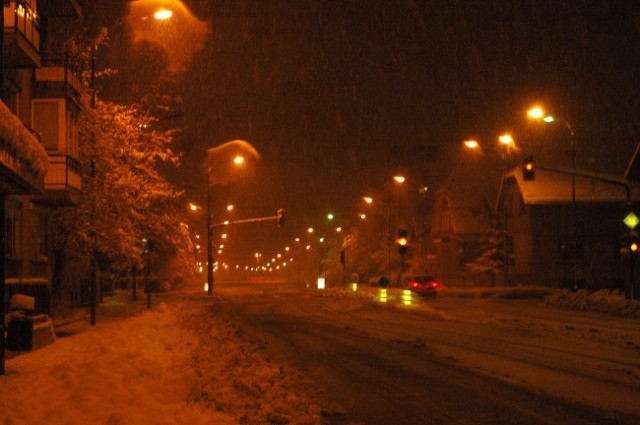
column 505, row 140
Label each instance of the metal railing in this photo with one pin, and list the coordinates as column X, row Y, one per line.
column 20, row 17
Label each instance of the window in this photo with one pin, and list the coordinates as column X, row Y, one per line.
column 13, row 232
column 46, row 122
column 72, row 135
column 43, row 236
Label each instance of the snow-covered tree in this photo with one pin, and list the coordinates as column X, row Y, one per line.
column 125, row 197
column 491, row 254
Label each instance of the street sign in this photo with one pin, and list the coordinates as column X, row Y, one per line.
column 631, row 220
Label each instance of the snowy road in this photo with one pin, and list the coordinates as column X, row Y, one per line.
column 453, row 360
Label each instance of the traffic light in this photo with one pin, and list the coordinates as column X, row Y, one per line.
column 528, row 169
column 280, row 215
column 633, row 243
column 402, row 241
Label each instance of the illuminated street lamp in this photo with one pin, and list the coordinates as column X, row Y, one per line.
column 506, row 139
column 472, row 144
column 163, row 14
column 218, row 159
column 537, row 113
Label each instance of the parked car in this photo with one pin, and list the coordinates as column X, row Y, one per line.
column 425, row 286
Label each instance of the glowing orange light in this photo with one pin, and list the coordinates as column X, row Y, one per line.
column 163, row 14
column 471, row 144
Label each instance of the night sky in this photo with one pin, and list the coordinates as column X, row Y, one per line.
column 326, row 90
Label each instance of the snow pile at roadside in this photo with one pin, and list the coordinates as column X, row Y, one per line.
column 178, row 364
column 133, row 371
column 604, row 301
column 238, row 379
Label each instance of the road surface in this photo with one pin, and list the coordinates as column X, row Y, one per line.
column 449, row 361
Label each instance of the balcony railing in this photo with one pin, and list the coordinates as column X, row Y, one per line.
column 64, row 173
column 61, row 70
column 19, row 17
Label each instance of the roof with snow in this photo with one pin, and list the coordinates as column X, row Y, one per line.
column 551, row 187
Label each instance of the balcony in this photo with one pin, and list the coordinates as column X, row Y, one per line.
column 21, row 34
column 16, row 176
column 23, row 160
column 63, row 181
column 57, row 79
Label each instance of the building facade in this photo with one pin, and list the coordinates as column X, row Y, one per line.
column 39, row 165
column 564, row 240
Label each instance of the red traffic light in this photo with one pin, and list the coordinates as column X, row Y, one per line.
column 528, row 169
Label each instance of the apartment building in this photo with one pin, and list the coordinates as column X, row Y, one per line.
column 39, row 165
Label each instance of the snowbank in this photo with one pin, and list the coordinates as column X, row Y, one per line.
column 134, row 371
column 604, row 301
column 178, row 363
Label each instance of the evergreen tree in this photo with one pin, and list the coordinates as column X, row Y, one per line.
column 491, row 254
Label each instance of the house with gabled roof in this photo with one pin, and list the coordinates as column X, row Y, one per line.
column 559, row 230
column 565, row 230
column 464, row 209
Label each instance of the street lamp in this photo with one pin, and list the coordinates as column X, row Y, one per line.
column 537, row 113
column 218, row 159
column 163, row 14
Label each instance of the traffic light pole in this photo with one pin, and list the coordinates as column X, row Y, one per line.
column 279, row 217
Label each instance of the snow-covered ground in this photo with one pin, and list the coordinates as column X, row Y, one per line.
column 169, row 366
column 152, row 368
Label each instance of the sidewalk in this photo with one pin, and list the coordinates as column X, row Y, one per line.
column 159, row 366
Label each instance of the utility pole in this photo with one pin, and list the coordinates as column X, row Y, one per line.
column 209, row 239
column 3, row 245
column 3, row 255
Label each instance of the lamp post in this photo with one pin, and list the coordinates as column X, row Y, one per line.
column 537, row 113
column 222, row 159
